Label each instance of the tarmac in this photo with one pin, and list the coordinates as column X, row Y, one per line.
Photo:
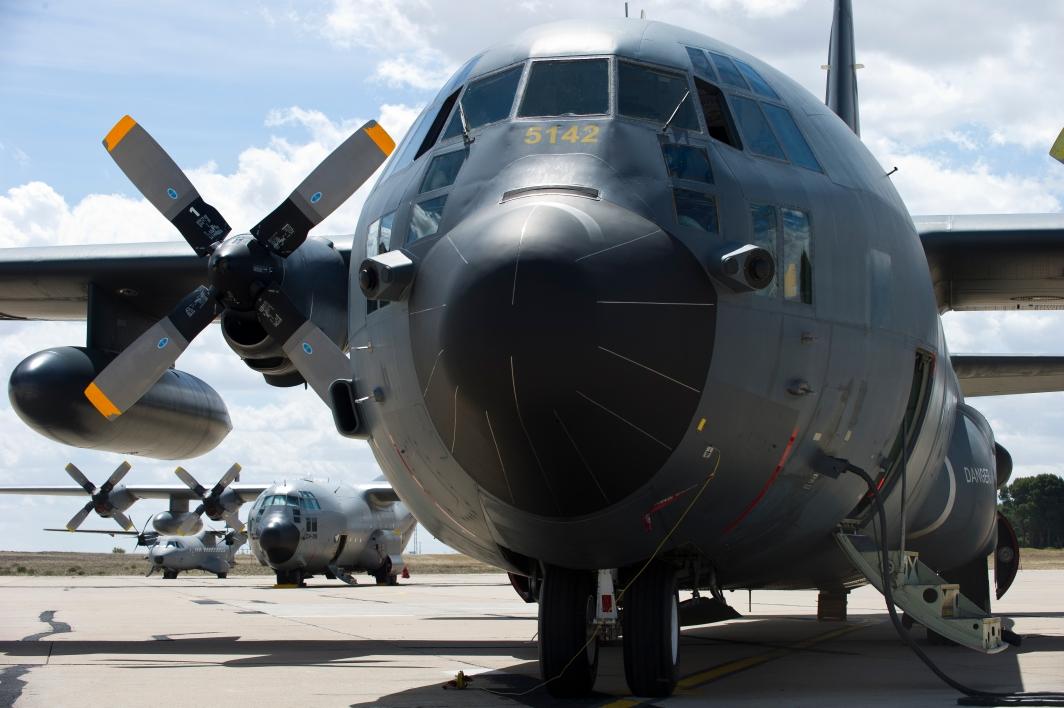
column 134, row 641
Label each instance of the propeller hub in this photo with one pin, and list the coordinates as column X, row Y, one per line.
column 239, row 269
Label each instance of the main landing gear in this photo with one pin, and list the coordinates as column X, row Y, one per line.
column 291, row 577
column 650, row 629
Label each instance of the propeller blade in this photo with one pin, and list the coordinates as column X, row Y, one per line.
column 316, row 356
column 328, row 186
column 139, row 366
column 163, row 183
column 115, row 478
column 233, row 519
column 228, row 478
column 151, row 568
column 77, row 518
column 198, row 489
column 1057, row 151
column 123, row 520
column 80, row 478
column 199, row 510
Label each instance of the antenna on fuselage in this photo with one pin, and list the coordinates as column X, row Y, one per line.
column 842, row 68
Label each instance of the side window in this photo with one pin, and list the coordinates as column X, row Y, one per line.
column 729, row 74
column 686, row 162
column 574, row 87
column 797, row 263
column 425, row 220
column 695, row 210
column 699, row 62
column 379, row 237
column 442, row 171
column 486, row 100
column 437, row 124
column 757, row 82
column 718, row 118
column 757, row 134
column 793, row 141
column 643, row 92
column 766, row 231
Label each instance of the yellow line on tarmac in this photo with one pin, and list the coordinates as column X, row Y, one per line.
column 732, row 667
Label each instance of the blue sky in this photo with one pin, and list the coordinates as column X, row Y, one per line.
column 964, row 97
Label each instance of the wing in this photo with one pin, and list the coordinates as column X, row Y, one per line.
column 995, row 261
column 100, row 531
column 135, row 284
column 1001, row 375
column 247, row 492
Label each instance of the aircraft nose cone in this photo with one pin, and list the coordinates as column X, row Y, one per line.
column 561, row 345
column 279, row 539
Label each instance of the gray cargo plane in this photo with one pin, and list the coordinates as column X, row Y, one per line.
column 173, row 554
column 628, row 308
column 300, row 528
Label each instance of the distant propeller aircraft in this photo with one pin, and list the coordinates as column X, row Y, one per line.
column 300, row 529
column 173, row 554
column 628, row 311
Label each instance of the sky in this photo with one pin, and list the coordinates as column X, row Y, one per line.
column 962, row 96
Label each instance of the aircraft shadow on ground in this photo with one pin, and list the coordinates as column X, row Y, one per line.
column 877, row 646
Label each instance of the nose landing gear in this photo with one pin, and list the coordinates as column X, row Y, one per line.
column 650, row 627
column 568, row 646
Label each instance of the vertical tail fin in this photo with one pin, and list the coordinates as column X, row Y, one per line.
column 842, row 68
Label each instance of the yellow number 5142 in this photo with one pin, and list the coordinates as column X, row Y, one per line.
column 556, row 133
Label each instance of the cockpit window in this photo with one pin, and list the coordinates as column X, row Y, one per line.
column 756, row 132
column 715, row 111
column 173, row 544
column 437, row 124
column 757, row 83
column 687, row 162
column 379, row 237
column 696, row 210
column 729, row 74
column 486, row 100
column 699, row 62
column 575, row 87
column 647, row 93
column 310, row 502
column 426, row 217
column 793, row 141
column 442, row 171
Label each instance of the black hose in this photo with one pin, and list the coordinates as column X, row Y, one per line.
column 972, row 697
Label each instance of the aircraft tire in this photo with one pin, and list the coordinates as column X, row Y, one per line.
column 169, row 575
column 566, row 609
column 222, row 575
column 650, row 628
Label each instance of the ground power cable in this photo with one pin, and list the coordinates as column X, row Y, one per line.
column 621, row 592
column 972, row 696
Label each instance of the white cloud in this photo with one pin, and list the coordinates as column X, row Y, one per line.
column 378, row 25
column 426, row 71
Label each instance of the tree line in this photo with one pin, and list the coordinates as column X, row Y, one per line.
column 1035, row 506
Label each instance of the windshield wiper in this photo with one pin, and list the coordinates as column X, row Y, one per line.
column 675, row 111
column 465, row 126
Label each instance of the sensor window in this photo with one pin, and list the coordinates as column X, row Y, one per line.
column 695, row 210
column 426, row 217
column 687, row 162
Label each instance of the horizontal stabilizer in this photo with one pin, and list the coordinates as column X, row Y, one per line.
column 1000, row 375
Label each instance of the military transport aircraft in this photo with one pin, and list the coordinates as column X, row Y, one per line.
column 628, row 308
column 300, row 528
column 173, row 554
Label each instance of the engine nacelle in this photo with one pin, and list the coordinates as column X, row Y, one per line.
column 315, row 279
column 183, row 523
column 179, row 417
column 957, row 522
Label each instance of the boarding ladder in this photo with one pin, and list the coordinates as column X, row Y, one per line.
column 924, row 595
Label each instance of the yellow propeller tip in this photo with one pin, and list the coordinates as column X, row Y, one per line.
column 101, row 402
column 118, row 132
column 380, row 136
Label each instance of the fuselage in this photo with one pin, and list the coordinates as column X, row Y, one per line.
column 569, row 368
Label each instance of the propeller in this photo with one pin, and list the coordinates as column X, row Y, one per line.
column 219, row 502
column 245, row 273
column 1057, row 150
column 103, row 500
